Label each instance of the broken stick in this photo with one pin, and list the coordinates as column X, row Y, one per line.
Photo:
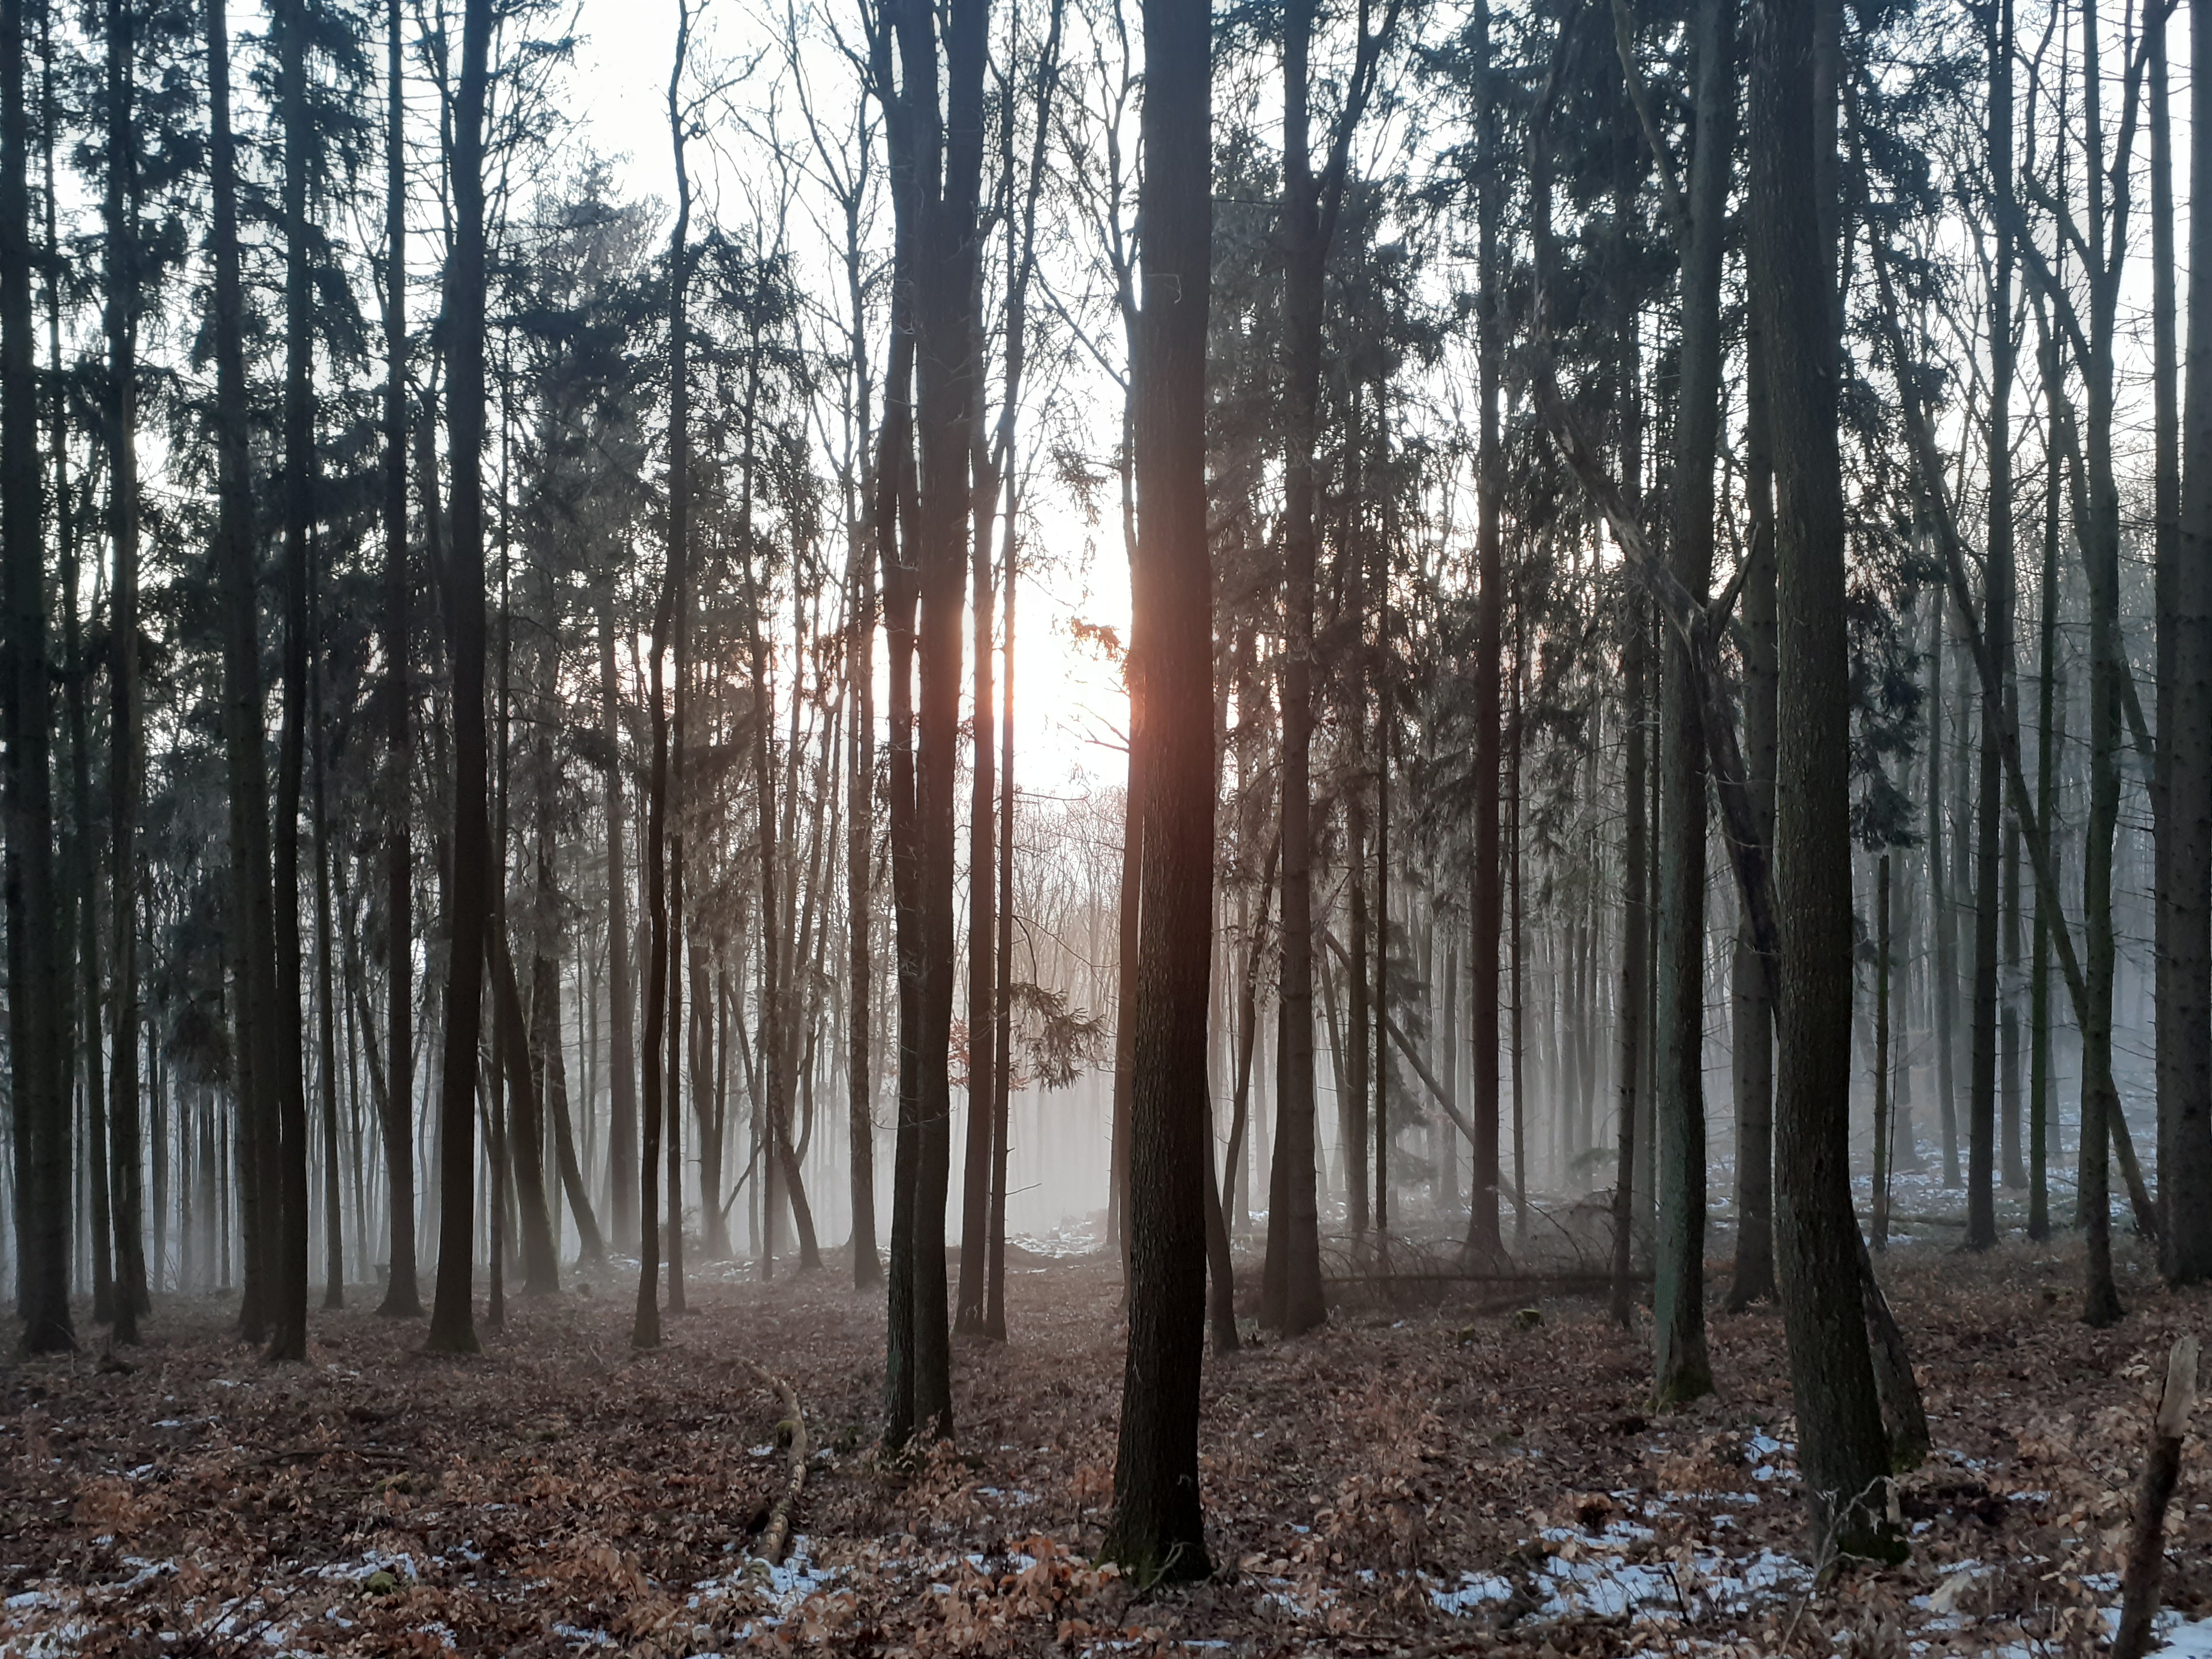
column 2161, row 1471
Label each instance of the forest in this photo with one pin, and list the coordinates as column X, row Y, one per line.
column 1098, row 827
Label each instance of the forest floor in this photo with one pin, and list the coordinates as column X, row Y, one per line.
column 1455, row 1476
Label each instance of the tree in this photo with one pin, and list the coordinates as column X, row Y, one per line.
column 41, row 1109
column 452, row 1323
column 1158, row 1530
column 124, row 291
column 936, row 156
column 252, row 916
column 1700, row 214
column 2185, row 1005
column 1312, row 203
column 401, row 1299
column 1841, row 1446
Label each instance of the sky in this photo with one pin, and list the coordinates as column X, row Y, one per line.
column 1070, row 708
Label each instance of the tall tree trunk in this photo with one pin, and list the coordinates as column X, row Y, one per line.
column 895, row 502
column 402, row 1298
column 622, row 1041
column 968, row 1314
column 79, row 993
column 452, row 1323
column 2100, row 550
column 288, row 1333
column 2039, row 1016
column 1881, row 1128
column 859, row 885
column 325, row 1011
column 2184, row 1008
column 1631, row 1022
column 253, row 913
column 1682, row 1370
column 1158, row 1530
column 1751, row 1048
column 945, row 283
column 1942, row 920
column 1997, row 620
column 1291, row 1289
column 35, row 1027
column 125, row 721
column 660, row 1110
column 1483, row 1238
column 1841, row 1444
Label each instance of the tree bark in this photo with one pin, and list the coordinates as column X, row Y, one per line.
column 1942, row 922
column 289, row 1330
column 243, row 737
column 402, row 1297
column 1682, row 1370
column 1751, row 1048
column 1158, row 1530
column 125, row 736
column 453, row 1323
column 35, row 1026
column 2184, row 952
column 1997, row 606
column 1483, row 1240
column 1841, row 1445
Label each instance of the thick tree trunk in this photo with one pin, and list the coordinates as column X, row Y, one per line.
column 35, row 1025
column 1291, row 1290
column 453, row 1323
column 2184, row 1013
column 1841, row 1445
column 944, row 283
column 254, row 918
column 1158, row 1531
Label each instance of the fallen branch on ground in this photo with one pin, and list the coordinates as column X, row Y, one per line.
column 776, row 1535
